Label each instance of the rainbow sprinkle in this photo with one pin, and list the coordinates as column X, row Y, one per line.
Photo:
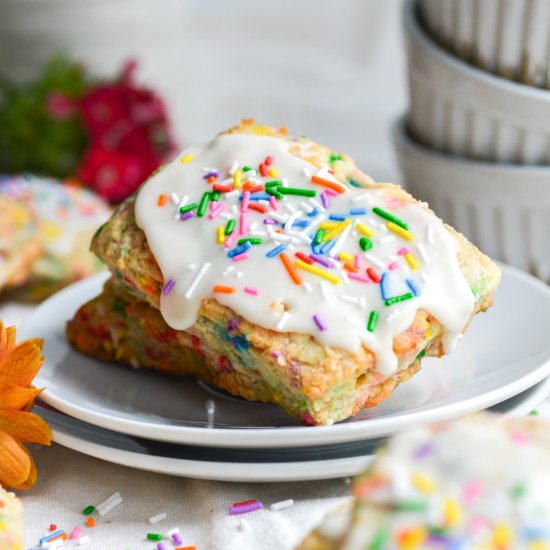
column 245, row 507
column 399, row 230
column 169, row 286
column 390, row 217
column 373, row 319
column 291, row 268
column 411, row 260
column 400, row 298
column 52, row 537
column 222, row 289
column 319, row 322
column 334, row 279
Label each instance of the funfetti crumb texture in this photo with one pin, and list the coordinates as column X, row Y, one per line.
column 289, row 275
column 11, row 521
column 480, row 483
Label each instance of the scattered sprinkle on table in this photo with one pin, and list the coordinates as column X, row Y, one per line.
column 90, row 521
column 157, row 518
column 108, row 500
column 276, row 506
column 245, row 507
column 110, row 506
column 176, row 537
column 51, row 537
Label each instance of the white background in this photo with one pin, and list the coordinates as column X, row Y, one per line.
column 331, row 70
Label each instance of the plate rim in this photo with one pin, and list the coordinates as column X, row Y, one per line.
column 241, row 472
column 541, row 394
column 253, row 472
column 294, row 436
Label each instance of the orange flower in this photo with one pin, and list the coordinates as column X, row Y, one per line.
column 19, row 364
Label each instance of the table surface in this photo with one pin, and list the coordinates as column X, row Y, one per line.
column 69, row 481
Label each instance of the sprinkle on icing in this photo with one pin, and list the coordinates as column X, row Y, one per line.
column 290, row 224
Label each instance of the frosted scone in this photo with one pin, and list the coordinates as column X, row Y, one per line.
column 11, row 523
column 19, row 243
column 66, row 220
column 292, row 275
column 481, row 483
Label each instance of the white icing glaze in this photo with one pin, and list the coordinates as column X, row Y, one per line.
column 344, row 308
column 484, row 483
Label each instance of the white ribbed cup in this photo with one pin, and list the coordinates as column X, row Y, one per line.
column 504, row 209
column 459, row 109
column 510, row 38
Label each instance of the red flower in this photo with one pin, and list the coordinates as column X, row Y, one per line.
column 59, row 106
column 145, row 106
column 130, row 136
column 102, row 108
column 113, row 174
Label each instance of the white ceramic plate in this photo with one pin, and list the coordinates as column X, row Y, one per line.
column 266, row 465
column 505, row 352
column 222, row 464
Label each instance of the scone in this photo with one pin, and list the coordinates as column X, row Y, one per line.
column 481, row 483
column 66, row 218
column 319, row 289
column 11, row 521
column 19, row 243
column 115, row 326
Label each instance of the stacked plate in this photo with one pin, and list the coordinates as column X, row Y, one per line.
column 476, row 141
column 155, row 422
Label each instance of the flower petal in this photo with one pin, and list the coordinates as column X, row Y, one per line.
column 19, row 366
column 7, row 338
column 26, row 427
column 15, row 462
column 17, row 398
column 31, row 478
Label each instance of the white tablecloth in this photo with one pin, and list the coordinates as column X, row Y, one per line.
column 69, row 481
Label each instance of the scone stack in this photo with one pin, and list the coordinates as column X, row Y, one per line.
column 271, row 267
column 475, row 142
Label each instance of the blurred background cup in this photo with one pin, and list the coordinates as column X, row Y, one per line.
column 465, row 111
column 103, row 35
column 503, row 208
column 475, row 145
column 510, row 38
